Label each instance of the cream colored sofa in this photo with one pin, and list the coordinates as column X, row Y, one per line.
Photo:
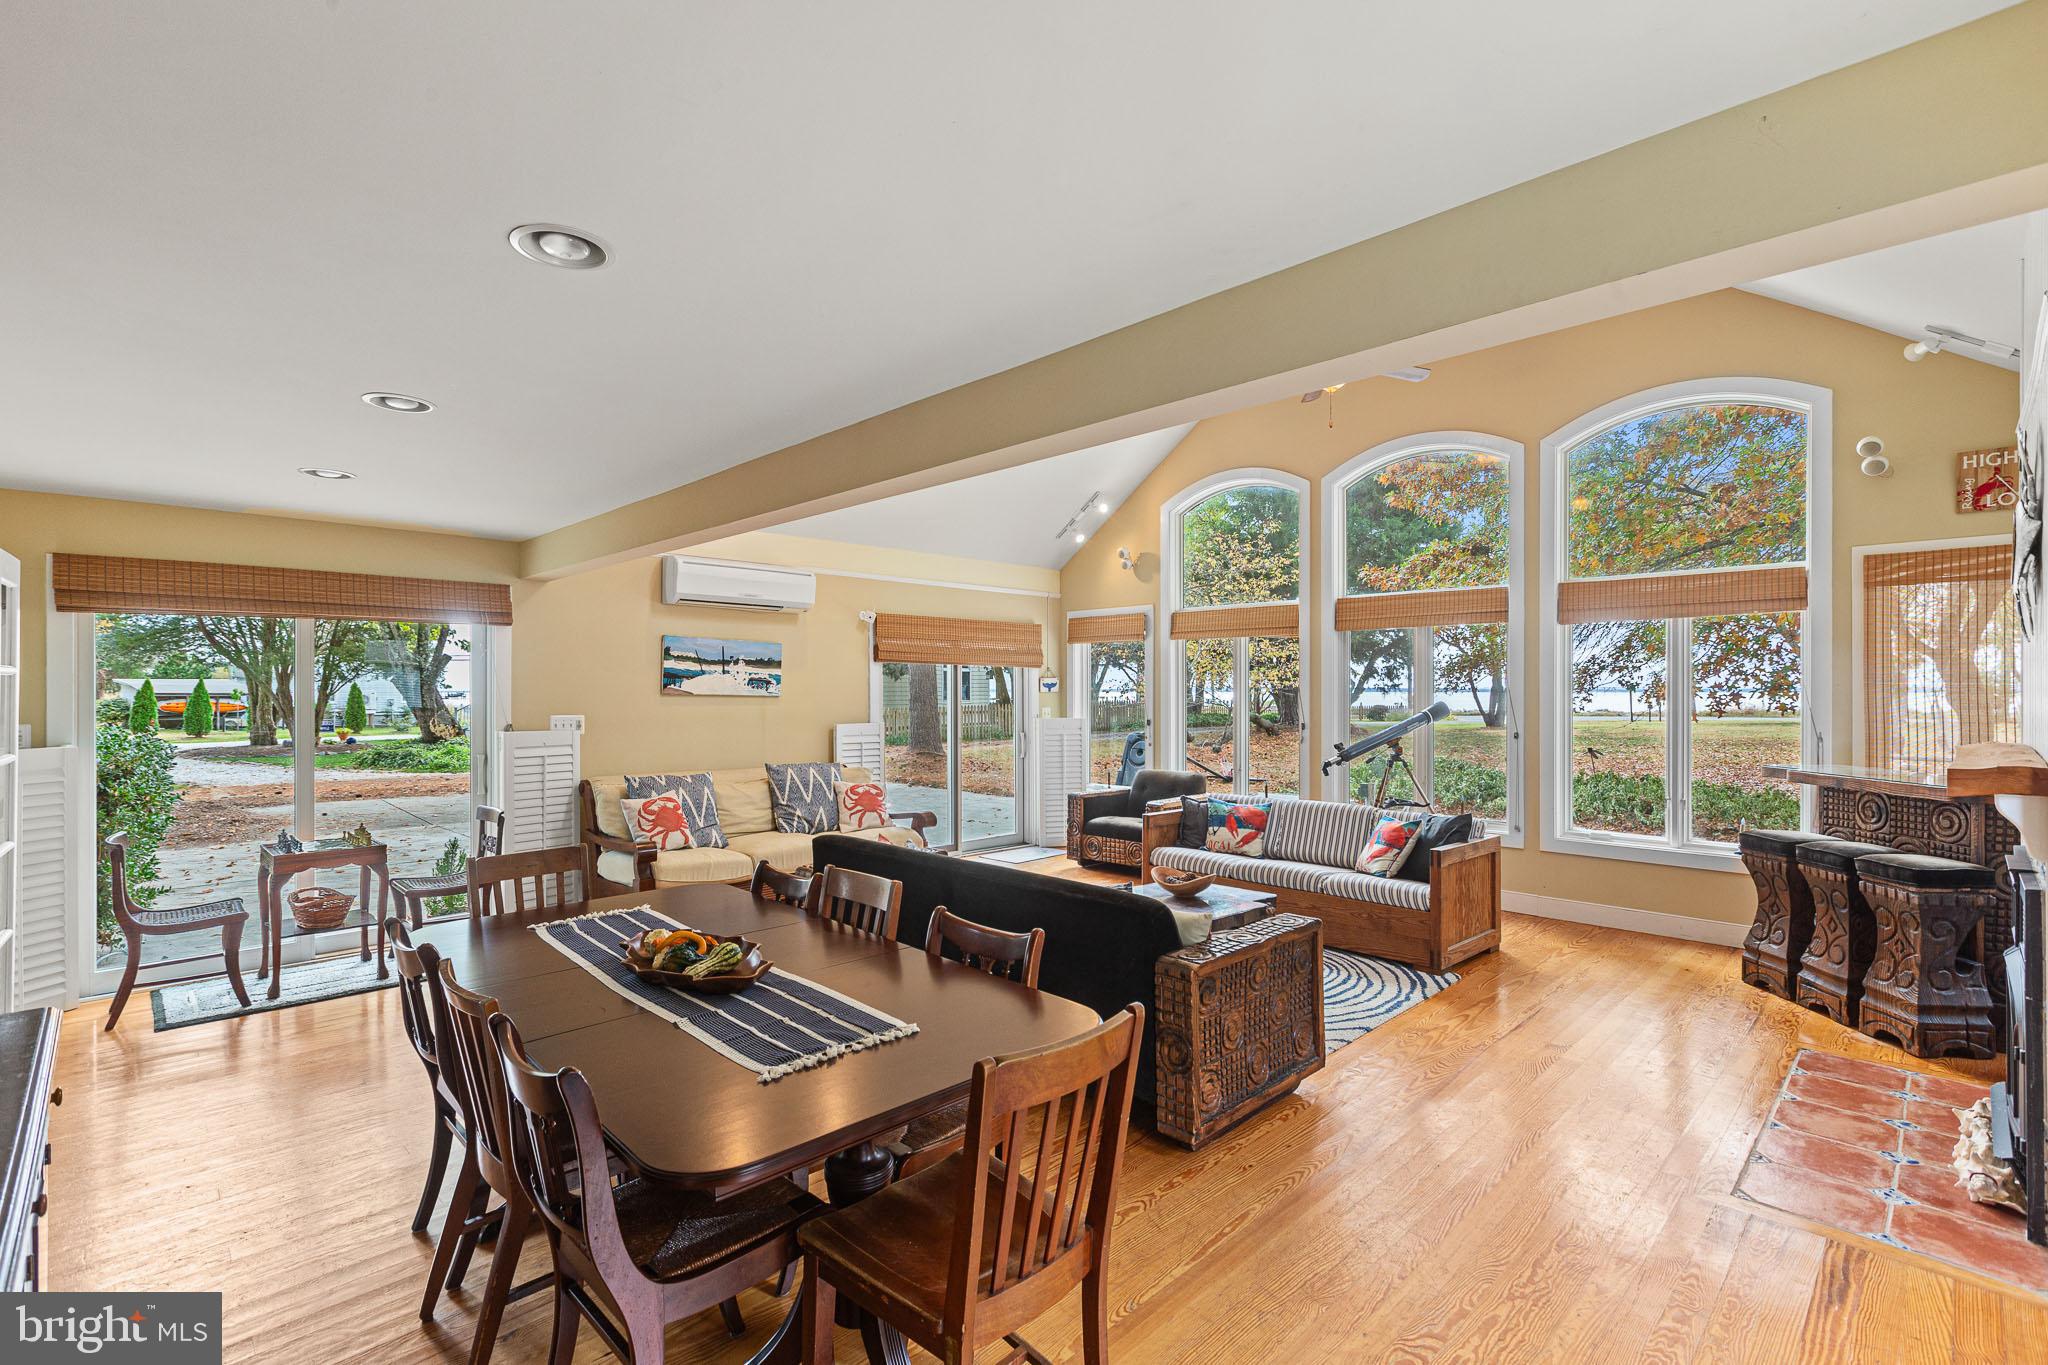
column 745, row 813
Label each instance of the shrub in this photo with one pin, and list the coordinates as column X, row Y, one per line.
column 1463, row 786
column 199, row 711
column 112, row 711
column 135, row 794
column 355, row 713
column 142, row 715
column 1723, row 810
column 452, row 861
column 1618, row 801
column 394, row 757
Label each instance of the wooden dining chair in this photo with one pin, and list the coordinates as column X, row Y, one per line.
column 538, row 877
column 972, row 1248
column 416, row 1008
column 859, row 900
column 469, row 1214
column 413, row 893
column 773, row 884
column 1015, row 957
column 226, row 915
column 473, row 1056
column 647, row 1255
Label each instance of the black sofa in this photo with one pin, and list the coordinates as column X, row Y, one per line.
column 1105, row 948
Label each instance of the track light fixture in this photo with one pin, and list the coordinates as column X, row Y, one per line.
column 1944, row 337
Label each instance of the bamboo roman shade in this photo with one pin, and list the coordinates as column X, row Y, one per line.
column 1280, row 621
column 1431, row 607
column 1114, row 628
column 181, row 587
column 1941, row 654
column 1658, row 597
column 957, row 640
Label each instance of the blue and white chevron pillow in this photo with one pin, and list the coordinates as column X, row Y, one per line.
column 803, row 797
column 699, row 801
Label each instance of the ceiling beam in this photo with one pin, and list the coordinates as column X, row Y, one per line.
column 1851, row 161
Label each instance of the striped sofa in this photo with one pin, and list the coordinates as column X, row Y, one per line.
column 1309, row 850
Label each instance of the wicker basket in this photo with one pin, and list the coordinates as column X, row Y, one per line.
column 320, row 907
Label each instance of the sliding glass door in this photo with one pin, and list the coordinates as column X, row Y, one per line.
column 394, row 700
column 950, row 745
column 214, row 733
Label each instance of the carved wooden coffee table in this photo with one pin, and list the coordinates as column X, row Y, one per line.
column 1229, row 907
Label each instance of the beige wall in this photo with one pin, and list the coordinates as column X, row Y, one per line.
column 1526, row 391
column 590, row 644
column 35, row 525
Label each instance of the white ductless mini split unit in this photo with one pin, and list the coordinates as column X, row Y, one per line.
column 688, row 582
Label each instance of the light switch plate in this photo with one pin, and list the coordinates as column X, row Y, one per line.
column 567, row 725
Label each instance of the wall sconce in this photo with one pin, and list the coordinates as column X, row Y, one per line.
column 1871, row 457
column 1124, row 560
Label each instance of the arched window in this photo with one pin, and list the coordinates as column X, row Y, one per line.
column 1684, row 557
column 1234, row 597
column 1425, row 532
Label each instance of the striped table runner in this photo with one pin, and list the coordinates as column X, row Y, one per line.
column 778, row 1025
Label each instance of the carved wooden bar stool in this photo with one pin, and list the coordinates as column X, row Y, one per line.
column 1784, row 909
column 1844, row 933
column 1921, row 992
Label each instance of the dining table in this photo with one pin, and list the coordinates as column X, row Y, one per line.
column 680, row 1112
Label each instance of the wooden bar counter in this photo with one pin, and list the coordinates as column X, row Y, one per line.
column 1911, row 812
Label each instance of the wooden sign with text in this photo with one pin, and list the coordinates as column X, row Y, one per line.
column 1987, row 480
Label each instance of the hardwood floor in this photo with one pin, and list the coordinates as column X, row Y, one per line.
column 1534, row 1165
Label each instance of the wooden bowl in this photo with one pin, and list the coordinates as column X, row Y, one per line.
column 1181, row 885
column 752, row 968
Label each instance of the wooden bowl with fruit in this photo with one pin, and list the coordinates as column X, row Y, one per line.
column 707, row 964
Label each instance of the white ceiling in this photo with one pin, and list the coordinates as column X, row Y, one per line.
column 1012, row 516
column 227, row 220
column 1967, row 280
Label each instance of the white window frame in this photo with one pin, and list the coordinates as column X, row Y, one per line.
column 1337, row 645
column 1170, row 710
column 1079, row 700
column 1677, row 847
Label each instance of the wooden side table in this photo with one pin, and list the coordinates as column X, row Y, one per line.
column 275, row 870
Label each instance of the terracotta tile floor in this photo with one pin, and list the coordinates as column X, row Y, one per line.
column 1865, row 1148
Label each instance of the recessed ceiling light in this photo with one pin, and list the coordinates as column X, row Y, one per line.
column 553, row 244
column 397, row 402
column 316, row 472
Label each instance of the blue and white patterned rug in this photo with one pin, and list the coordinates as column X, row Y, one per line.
column 1360, row 993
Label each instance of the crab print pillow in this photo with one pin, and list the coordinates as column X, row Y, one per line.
column 862, row 805
column 1237, row 827
column 659, row 820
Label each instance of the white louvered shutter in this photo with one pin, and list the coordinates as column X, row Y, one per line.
column 1060, row 764
column 858, row 746
column 537, row 772
column 51, row 816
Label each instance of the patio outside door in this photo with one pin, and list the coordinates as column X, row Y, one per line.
column 950, row 746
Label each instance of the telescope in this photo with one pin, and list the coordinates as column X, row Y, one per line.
column 1391, row 736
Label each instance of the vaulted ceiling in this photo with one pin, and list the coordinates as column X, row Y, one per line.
column 228, row 221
